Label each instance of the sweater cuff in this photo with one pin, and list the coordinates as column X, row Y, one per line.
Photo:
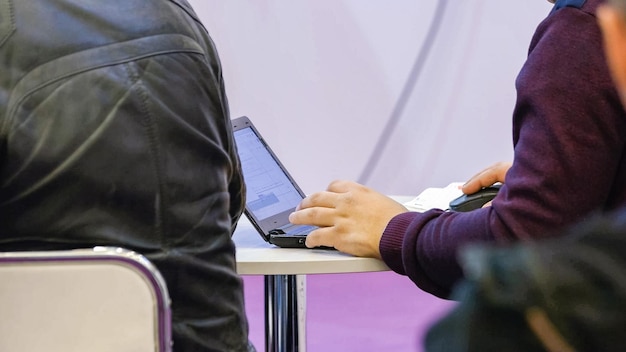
column 390, row 246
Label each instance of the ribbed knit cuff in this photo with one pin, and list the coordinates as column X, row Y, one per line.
column 390, row 246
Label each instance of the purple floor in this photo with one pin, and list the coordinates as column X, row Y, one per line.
column 355, row 312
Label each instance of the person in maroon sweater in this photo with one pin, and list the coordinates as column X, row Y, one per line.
column 569, row 136
column 566, row 293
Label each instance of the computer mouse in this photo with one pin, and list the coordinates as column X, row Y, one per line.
column 468, row 202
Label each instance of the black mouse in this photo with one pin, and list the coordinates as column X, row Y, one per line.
column 468, row 202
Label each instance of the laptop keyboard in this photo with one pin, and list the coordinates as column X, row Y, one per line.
column 298, row 230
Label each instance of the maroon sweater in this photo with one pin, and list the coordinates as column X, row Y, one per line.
column 569, row 135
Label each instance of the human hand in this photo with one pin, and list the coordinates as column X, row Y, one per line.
column 351, row 218
column 487, row 177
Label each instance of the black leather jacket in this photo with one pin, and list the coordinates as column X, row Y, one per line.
column 115, row 130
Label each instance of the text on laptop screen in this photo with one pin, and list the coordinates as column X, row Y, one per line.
column 269, row 190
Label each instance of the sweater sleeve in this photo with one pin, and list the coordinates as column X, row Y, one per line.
column 568, row 136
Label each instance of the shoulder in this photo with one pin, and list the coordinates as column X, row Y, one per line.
column 570, row 24
column 588, row 6
column 570, row 21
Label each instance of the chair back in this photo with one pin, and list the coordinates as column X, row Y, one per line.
column 100, row 299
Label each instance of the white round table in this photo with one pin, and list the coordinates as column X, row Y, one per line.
column 285, row 271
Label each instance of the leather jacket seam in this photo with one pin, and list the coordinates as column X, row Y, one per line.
column 153, row 140
column 7, row 20
column 189, row 12
column 87, row 60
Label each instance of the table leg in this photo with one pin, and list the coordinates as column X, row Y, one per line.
column 285, row 313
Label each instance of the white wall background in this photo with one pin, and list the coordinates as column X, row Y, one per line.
column 321, row 78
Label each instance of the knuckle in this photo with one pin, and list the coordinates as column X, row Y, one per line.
column 334, row 182
column 336, row 185
column 348, row 199
column 313, row 198
column 314, row 214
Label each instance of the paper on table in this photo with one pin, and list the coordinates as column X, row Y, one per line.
column 432, row 198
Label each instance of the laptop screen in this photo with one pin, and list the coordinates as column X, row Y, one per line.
column 269, row 189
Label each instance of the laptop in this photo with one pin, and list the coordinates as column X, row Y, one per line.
column 271, row 192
